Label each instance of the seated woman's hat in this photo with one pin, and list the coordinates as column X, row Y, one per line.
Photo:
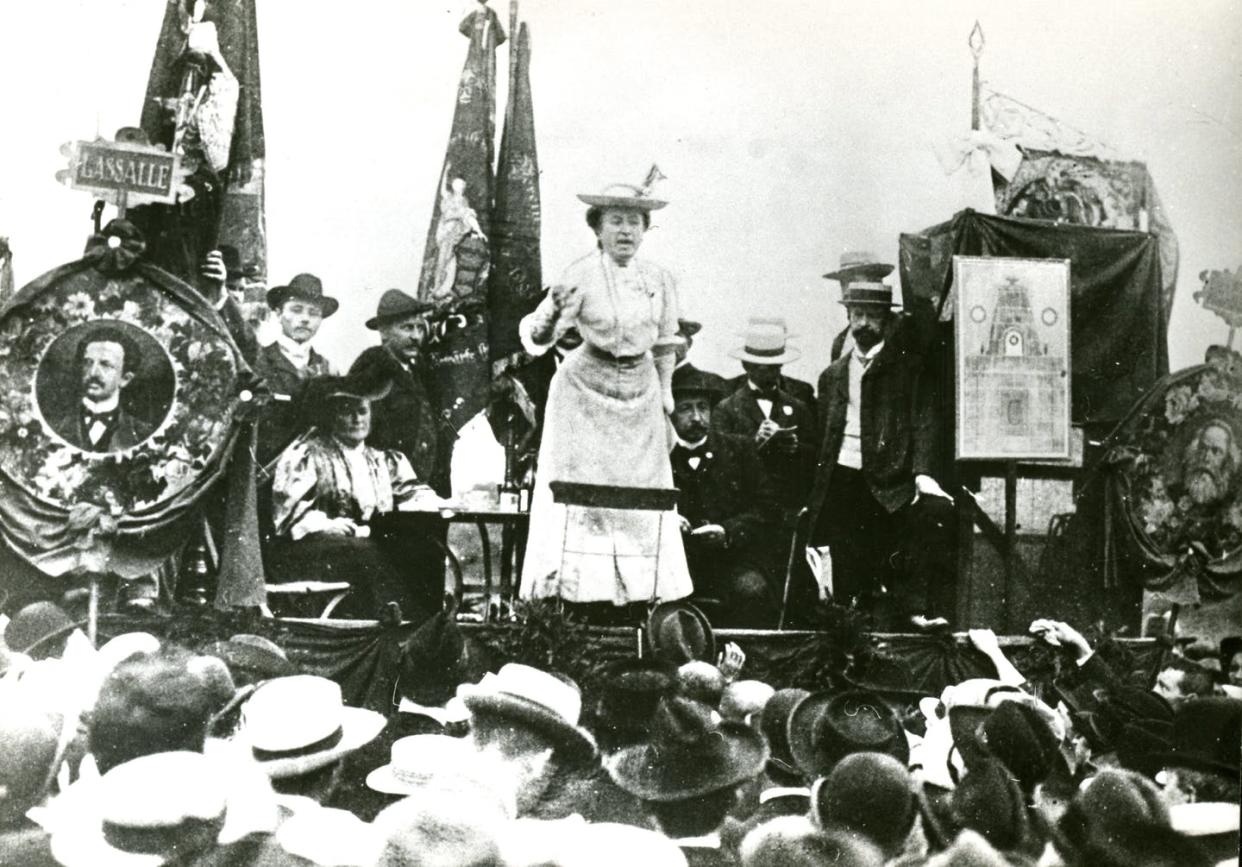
column 622, row 196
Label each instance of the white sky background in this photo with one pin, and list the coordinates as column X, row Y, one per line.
column 789, row 131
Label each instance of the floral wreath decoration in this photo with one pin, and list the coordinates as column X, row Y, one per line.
column 155, row 481
column 1187, row 541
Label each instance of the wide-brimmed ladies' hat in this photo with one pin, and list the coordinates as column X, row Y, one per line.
column 859, row 265
column 303, row 287
column 622, row 196
column 295, row 725
column 766, row 343
column 690, row 753
column 536, row 700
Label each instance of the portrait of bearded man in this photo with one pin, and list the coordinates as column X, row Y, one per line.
column 1210, row 463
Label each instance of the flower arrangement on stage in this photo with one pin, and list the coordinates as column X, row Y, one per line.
column 175, row 406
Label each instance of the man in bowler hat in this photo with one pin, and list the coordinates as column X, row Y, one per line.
column 287, row 364
column 406, row 420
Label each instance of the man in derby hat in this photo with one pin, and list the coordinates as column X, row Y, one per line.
column 874, row 501
column 290, row 361
column 689, row 774
column 726, row 506
column 329, row 486
column 686, row 329
column 405, row 419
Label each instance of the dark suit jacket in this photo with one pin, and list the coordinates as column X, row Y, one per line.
column 406, row 419
column 729, row 488
column 243, row 335
column 787, row 475
column 279, row 422
column 795, row 388
column 898, row 428
column 127, row 431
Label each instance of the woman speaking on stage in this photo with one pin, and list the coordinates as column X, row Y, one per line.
column 605, row 421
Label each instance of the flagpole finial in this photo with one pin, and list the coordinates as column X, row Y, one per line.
column 976, row 41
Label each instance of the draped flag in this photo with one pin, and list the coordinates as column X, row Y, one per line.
column 516, row 280
column 457, row 257
column 203, row 100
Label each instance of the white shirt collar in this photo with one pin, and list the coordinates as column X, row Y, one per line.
column 298, row 353
column 869, row 354
column 691, row 446
column 102, row 406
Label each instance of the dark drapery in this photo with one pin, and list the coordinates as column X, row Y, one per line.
column 1118, row 340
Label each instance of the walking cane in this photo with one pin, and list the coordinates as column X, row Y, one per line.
column 789, row 562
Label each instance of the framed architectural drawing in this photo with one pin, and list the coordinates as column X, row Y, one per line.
column 1012, row 333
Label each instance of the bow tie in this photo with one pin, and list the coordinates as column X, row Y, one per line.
column 92, row 417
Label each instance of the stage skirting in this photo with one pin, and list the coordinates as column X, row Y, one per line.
column 371, row 660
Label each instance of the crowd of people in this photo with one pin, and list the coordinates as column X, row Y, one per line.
column 144, row 752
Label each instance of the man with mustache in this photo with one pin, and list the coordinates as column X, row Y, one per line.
column 725, row 506
column 1209, row 462
column 107, row 360
column 874, row 501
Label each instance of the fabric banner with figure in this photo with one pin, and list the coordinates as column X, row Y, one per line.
column 203, row 102
column 457, row 258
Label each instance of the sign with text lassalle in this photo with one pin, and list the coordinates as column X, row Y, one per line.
column 143, row 173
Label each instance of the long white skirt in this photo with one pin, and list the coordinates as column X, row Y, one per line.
column 604, row 425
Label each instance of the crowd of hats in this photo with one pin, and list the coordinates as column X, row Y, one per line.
column 140, row 752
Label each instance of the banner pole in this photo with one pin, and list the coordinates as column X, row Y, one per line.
column 976, row 43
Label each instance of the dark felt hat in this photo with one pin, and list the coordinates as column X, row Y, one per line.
column 1206, row 734
column 1113, row 799
column 774, row 726
column 250, row 663
column 690, row 754
column 395, row 304
column 35, row 625
column 698, row 381
column 859, row 265
column 632, row 690
column 688, row 327
column 870, row 794
column 825, row 728
column 303, row 287
column 323, row 389
column 990, row 802
column 1141, row 745
column 678, row 632
column 1012, row 732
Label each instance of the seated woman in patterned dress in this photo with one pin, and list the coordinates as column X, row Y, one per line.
column 327, row 487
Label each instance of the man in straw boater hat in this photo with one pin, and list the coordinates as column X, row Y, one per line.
column 874, row 502
column 856, row 266
column 287, row 364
